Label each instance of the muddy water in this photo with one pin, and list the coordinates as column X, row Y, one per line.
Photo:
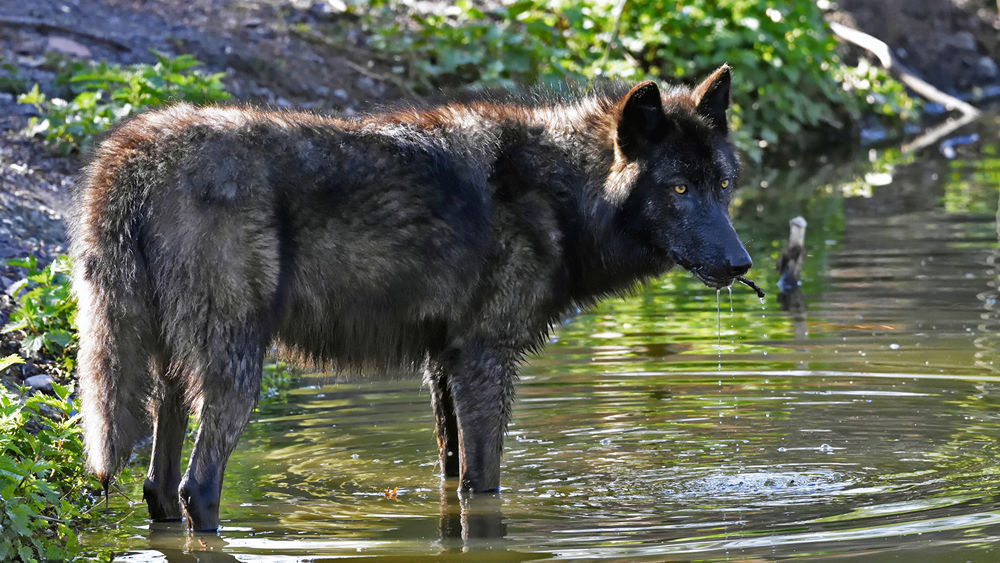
column 864, row 422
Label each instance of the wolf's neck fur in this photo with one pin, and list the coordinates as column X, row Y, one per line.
column 579, row 137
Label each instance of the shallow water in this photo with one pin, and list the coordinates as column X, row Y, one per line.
column 865, row 424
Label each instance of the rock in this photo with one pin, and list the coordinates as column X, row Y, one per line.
column 376, row 89
column 327, row 8
column 41, row 382
column 986, row 68
column 963, row 40
column 67, row 46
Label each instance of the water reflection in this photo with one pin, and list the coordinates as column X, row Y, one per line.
column 170, row 542
column 470, row 521
column 867, row 427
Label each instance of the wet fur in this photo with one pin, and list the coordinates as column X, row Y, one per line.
column 447, row 239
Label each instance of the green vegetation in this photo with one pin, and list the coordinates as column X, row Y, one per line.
column 43, row 484
column 44, row 487
column 276, row 380
column 788, row 78
column 107, row 93
column 46, row 311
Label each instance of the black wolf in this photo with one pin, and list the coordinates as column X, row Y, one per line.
column 445, row 239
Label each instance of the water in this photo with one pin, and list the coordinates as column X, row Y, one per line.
column 862, row 423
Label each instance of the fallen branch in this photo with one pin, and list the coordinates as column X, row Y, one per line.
column 934, row 134
column 16, row 21
column 884, row 54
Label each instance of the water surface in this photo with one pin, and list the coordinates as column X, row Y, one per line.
column 863, row 424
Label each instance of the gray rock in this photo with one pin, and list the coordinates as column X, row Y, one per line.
column 987, row 68
column 963, row 40
column 40, row 382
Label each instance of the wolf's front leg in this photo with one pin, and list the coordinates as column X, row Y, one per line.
column 480, row 385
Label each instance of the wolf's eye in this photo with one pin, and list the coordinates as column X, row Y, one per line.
column 680, row 188
column 725, row 184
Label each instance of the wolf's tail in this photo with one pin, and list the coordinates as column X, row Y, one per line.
column 110, row 280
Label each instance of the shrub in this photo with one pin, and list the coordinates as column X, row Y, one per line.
column 46, row 311
column 107, row 93
column 787, row 75
column 43, row 482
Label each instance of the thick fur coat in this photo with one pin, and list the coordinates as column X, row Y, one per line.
column 448, row 239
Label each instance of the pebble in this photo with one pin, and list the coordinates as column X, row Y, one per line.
column 987, row 68
column 41, row 382
column 67, row 46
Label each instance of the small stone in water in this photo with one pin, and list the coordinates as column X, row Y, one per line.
column 826, row 448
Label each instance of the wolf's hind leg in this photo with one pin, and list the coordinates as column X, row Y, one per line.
column 163, row 480
column 445, row 419
column 228, row 396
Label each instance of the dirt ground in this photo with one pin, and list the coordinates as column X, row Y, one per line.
column 313, row 54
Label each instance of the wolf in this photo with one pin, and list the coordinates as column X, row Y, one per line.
column 446, row 240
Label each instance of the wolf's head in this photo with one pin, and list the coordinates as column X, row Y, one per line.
column 685, row 172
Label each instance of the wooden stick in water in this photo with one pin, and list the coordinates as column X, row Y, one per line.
column 751, row 285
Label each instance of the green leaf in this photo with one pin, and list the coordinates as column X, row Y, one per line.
column 11, row 360
column 59, row 338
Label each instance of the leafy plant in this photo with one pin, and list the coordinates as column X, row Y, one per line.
column 46, row 311
column 788, row 78
column 43, row 482
column 11, row 80
column 11, row 360
column 107, row 93
column 276, row 380
column 44, row 486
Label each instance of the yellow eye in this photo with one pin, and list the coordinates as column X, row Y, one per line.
column 680, row 188
column 725, row 184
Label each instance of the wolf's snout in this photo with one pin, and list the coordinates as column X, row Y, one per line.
column 740, row 265
column 730, row 263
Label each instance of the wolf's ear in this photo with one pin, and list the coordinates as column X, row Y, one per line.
column 712, row 98
column 641, row 119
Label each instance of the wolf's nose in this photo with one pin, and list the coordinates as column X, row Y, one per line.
column 740, row 266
